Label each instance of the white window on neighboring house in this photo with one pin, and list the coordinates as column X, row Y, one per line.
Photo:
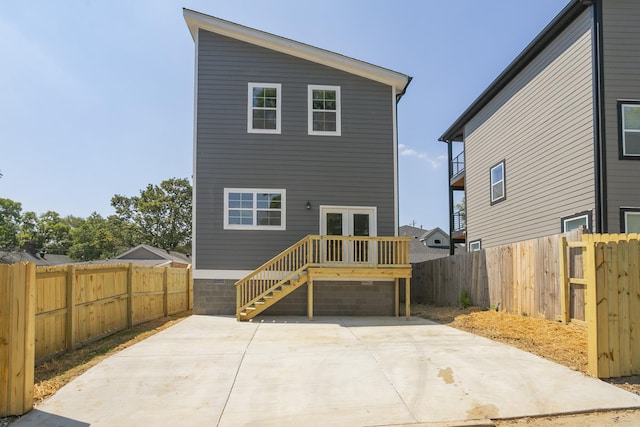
column 629, row 118
column 324, row 110
column 575, row 221
column 254, row 209
column 264, row 108
column 630, row 220
column 498, row 188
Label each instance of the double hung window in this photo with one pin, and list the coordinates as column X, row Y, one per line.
column 254, row 209
column 498, row 189
column 324, row 110
column 629, row 113
column 264, row 108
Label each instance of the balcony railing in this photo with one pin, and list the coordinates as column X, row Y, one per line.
column 459, row 221
column 457, row 165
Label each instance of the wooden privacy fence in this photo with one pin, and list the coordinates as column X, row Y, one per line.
column 17, row 327
column 519, row 278
column 48, row 310
column 612, row 279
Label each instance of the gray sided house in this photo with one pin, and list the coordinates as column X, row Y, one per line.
column 290, row 140
column 553, row 143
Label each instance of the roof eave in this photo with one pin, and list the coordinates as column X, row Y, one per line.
column 455, row 132
column 196, row 20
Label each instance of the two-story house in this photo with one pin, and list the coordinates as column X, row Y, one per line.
column 553, row 143
column 295, row 157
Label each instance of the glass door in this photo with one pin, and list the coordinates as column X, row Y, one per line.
column 348, row 221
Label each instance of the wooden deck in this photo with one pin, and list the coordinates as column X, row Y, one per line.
column 328, row 258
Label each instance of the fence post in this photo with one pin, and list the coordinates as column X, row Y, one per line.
column 188, row 276
column 130, row 296
column 563, row 278
column 165, row 291
column 18, row 315
column 591, row 307
column 71, row 312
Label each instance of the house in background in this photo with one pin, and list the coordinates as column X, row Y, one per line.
column 291, row 141
column 426, row 244
column 30, row 254
column 553, row 143
column 154, row 257
column 148, row 256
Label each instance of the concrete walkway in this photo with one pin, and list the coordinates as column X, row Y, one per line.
column 337, row 371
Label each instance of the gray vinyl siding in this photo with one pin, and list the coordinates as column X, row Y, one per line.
column 621, row 53
column 354, row 169
column 541, row 125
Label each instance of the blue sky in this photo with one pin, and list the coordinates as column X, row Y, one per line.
column 96, row 97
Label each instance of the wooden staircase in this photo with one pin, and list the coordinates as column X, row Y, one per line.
column 329, row 257
column 274, row 295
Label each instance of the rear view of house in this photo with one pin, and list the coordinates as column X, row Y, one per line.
column 553, row 143
column 290, row 141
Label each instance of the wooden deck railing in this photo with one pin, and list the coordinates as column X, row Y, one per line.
column 322, row 251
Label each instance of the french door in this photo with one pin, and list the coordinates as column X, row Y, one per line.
column 348, row 221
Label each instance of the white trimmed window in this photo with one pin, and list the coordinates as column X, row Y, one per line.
column 573, row 222
column 630, row 220
column 476, row 245
column 264, row 109
column 324, row 110
column 254, row 209
column 630, row 129
column 498, row 191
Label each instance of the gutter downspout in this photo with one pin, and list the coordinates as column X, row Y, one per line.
column 600, row 164
column 450, row 156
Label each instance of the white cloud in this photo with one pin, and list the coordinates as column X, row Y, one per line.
column 410, row 152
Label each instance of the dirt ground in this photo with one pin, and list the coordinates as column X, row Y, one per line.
column 563, row 344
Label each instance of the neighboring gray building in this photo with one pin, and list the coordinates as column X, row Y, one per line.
column 427, row 244
column 290, row 140
column 553, row 143
column 39, row 258
column 148, row 256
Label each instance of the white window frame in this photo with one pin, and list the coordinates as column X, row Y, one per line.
column 475, row 245
column 566, row 220
column 502, row 165
column 251, row 108
column 347, row 212
column 255, row 192
column 623, row 130
column 310, row 89
column 626, row 213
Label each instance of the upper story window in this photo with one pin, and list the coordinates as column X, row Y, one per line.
column 254, row 209
column 264, row 109
column 630, row 220
column 573, row 222
column 324, row 110
column 629, row 118
column 498, row 189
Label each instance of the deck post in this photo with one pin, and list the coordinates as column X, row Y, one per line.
column 310, row 297
column 407, row 296
column 397, row 293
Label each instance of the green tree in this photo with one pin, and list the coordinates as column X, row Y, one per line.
column 461, row 207
column 98, row 238
column 49, row 231
column 160, row 216
column 10, row 221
